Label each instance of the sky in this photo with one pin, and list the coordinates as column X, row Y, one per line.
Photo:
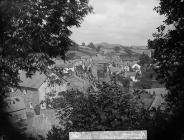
column 125, row 22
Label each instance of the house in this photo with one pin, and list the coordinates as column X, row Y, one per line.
column 136, row 67
column 115, row 70
column 34, row 90
column 145, row 99
column 127, row 68
column 131, row 75
column 159, row 94
column 157, row 91
column 158, row 102
column 129, row 60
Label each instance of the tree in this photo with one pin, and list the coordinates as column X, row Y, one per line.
column 74, row 47
column 144, row 83
column 117, row 49
column 109, row 109
column 92, row 46
column 168, row 46
column 98, row 48
column 83, row 44
column 32, row 33
column 144, row 60
column 124, row 81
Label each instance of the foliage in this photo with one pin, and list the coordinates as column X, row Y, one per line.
column 168, row 46
column 109, row 109
column 128, row 51
column 144, row 83
column 58, row 134
column 83, row 44
column 70, row 56
column 146, row 80
column 117, row 49
column 74, row 47
column 92, row 46
column 124, row 81
column 98, row 48
column 34, row 32
column 144, row 60
column 102, row 71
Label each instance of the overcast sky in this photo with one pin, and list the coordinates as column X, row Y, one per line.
column 126, row 22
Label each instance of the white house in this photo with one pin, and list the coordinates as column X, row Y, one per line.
column 127, row 68
column 136, row 67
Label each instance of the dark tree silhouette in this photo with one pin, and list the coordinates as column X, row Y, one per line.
column 98, row 48
column 117, row 49
column 168, row 46
column 31, row 34
column 34, row 32
column 144, row 60
column 109, row 109
column 92, row 46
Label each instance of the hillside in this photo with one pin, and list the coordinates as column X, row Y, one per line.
column 124, row 49
column 110, row 46
column 106, row 48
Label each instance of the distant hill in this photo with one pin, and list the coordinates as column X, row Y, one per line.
column 106, row 48
column 124, row 49
column 109, row 45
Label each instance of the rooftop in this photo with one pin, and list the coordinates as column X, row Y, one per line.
column 147, row 100
column 77, row 83
column 14, row 104
column 158, row 100
column 128, row 74
column 35, row 81
column 157, row 91
column 114, row 69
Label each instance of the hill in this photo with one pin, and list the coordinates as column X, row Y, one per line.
column 123, row 49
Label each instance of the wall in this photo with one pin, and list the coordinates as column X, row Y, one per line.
column 45, row 88
column 29, row 95
column 17, row 116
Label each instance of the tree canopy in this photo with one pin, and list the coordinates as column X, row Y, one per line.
column 98, row 48
column 108, row 109
column 92, row 46
column 117, row 49
column 168, row 46
column 144, row 59
column 34, row 32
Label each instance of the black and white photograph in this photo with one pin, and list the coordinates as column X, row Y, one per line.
column 91, row 69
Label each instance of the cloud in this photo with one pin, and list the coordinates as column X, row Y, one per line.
column 128, row 22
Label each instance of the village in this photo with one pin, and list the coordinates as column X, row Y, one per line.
column 91, row 69
column 86, row 68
